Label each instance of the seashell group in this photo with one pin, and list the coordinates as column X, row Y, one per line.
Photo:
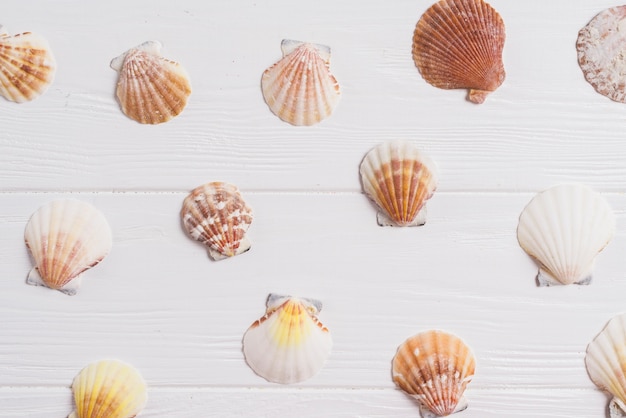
column 300, row 88
column 602, row 53
column 27, row 66
column 564, row 228
column 288, row 344
column 216, row 215
column 108, row 389
column 151, row 89
column 606, row 363
column 434, row 367
column 399, row 179
column 458, row 44
column 66, row 237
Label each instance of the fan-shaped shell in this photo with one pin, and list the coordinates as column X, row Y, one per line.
column 288, row 344
column 108, row 389
column 300, row 88
column 216, row 215
column 399, row 179
column 66, row 237
column 602, row 53
column 150, row 88
column 27, row 66
column 458, row 44
column 434, row 367
column 606, row 363
column 564, row 228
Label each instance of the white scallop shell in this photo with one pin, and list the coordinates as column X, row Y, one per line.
column 66, row 237
column 300, row 88
column 606, row 363
column 399, row 179
column 108, row 389
column 564, row 228
column 288, row 344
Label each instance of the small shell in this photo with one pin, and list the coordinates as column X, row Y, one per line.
column 458, row 44
column 564, row 228
column 150, row 88
column 434, row 368
column 602, row 53
column 27, row 66
column 399, row 179
column 299, row 88
column 66, row 237
column 288, row 344
column 606, row 363
column 108, row 389
column 216, row 215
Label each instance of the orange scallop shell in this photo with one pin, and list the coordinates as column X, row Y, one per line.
column 458, row 44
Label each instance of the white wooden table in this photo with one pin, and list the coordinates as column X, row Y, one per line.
column 159, row 303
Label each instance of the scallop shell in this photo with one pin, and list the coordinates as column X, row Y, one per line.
column 602, row 53
column 66, row 237
column 150, row 88
column 27, row 66
column 458, row 44
column 399, row 179
column 108, row 389
column 434, row 368
column 288, row 344
column 564, row 228
column 606, row 363
column 300, row 88
column 216, row 215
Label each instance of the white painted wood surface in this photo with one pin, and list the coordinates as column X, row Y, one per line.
column 159, row 303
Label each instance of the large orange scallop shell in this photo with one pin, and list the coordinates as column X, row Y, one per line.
column 150, row 88
column 399, row 179
column 602, row 53
column 216, row 215
column 300, row 88
column 458, row 44
column 27, row 66
column 434, row 367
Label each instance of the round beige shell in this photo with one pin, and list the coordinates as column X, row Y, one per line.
column 108, row 389
column 458, row 44
column 602, row 53
column 288, row 344
column 66, row 237
column 434, row 367
column 150, row 88
column 300, row 88
column 606, row 363
column 216, row 215
column 399, row 179
column 27, row 66
column 564, row 228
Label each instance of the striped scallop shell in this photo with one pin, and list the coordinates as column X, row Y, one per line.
column 606, row 363
column 66, row 237
column 150, row 88
column 602, row 53
column 458, row 44
column 434, row 368
column 300, row 88
column 564, row 228
column 399, row 179
column 108, row 389
column 216, row 215
column 288, row 344
column 27, row 66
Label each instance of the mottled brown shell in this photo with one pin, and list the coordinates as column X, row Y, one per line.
column 434, row 367
column 458, row 44
column 216, row 215
column 601, row 50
